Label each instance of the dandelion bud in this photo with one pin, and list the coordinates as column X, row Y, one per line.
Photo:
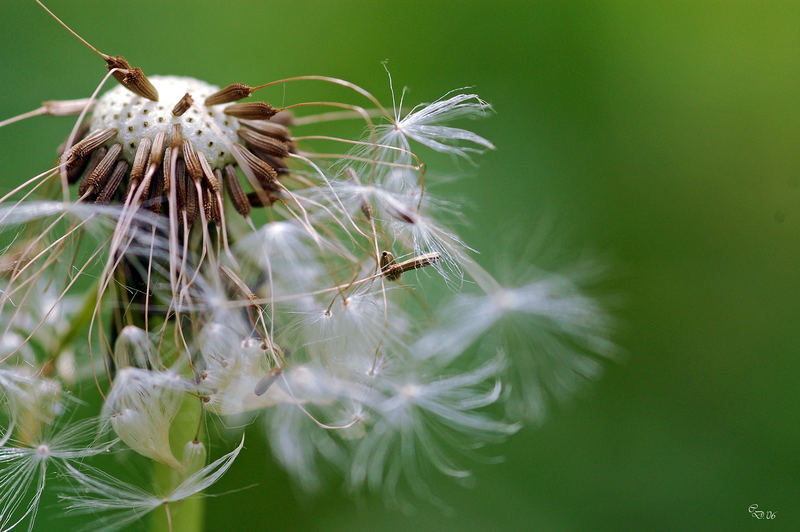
column 141, row 407
column 194, row 457
column 133, row 348
column 146, row 436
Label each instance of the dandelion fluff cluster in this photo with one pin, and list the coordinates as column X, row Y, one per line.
column 195, row 254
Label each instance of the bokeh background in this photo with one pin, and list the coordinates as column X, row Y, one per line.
column 661, row 135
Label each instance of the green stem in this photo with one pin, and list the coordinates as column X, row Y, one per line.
column 186, row 515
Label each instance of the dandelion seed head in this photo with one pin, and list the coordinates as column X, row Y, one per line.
column 307, row 320
column 135, row 118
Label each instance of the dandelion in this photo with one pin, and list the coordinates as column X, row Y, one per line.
column 200, row 256
column 24, row 466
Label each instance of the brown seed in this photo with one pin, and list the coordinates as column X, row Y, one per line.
column 113, row 182
column 219, row 197
column 208, row 174
column 401, row 214
column 218, row 177
column 267, row 127
column 264, row 384
column 278, row 164
column 261, row 199
column 394, row 271
column 67, row 107
column 238, row 198
column 95, row 159
column 83, row 130
column 387, row 261
column 92, row 183
column 157, row 156
column 176, row 136
column 117, row 61
column 251, row 110
column 366, row 206
column 264, row 143
column 192, row 205
column 132, row 78
column 137, row 82
column 193, row 167
column 211, row 205
column 157, row 150
column 264, row 173
column 183, row 105
column 180, row 180
column 78, row 169
column 231, row 93
column 283, row 117
column 156, row 191
column 85, row 147
column 140, row 161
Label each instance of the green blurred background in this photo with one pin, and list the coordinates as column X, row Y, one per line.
column 662, row 135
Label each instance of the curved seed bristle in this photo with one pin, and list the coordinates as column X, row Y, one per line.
column 231, row 93
column 113, row 182
column 183, row 105
column 238, row 197
column 251, row 110
column 264, row 143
